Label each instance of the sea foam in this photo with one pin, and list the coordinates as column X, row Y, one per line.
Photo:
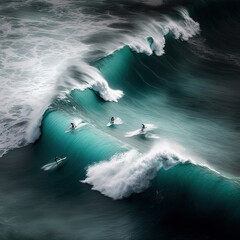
column 157, row 29
column 129, row 172
column 34, row 63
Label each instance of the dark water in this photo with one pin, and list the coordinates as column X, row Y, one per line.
column 173, row 66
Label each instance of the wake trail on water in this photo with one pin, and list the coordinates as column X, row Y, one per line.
column 117, row 121
column 145, row 131
column 79, row 123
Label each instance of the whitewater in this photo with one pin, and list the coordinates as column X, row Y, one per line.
column 40, row 51
column 171, row 66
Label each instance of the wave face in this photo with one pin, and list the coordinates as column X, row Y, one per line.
column 37, row 49
column 44, row 55
column 168, row 71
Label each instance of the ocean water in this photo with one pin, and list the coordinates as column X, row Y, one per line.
column 172, row 65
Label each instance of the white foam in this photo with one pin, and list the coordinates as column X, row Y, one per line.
column 37, row 50
column 33, row 61
column 182, row 29
column 130, row 172
column 100, row 85
column 117, row 121
column 78, row 124
column 49, row 166
column 53, row 165
column 89, row 77
column 148, row 128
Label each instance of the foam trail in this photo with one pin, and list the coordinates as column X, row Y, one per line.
column 34, row 65
column 54, row 165
column 34, row 60
column 117, row 121
column 49, row 166
column 101, row 86
column 149, row 127
column 78, row 123
column 129, row 172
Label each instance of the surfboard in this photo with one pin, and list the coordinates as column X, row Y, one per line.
column 134, row 133
column 145, row 131
column 70, row 129
column 53, row 165
column 117, row 121
column 61, row 160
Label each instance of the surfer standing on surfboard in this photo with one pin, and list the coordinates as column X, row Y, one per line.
column 112, row 120
column 56, row 158
column 143, row 127
column 73, row 126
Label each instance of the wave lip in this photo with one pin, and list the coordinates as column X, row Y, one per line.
column 129, row 172
column 41, row 60
column 93, row 77
column 83, row 76
column 183, row 29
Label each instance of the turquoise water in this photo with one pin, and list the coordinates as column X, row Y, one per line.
column 174, row 69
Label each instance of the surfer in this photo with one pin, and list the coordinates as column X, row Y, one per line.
column 143, row 127
column 56, row 158
column 73, row 126
column 112, row 120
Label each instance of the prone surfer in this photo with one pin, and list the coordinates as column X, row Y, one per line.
column 112, row 120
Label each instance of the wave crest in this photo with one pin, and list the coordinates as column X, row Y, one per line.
column 129, row 172
column 157, row 30
column 83, row 76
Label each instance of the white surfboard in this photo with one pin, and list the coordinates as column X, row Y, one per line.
column 148, row 127
column 117, row 121
column 70, row 129
column 53, row 165
column 61, row 160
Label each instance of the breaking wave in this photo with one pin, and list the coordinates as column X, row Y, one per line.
column 129, row 172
